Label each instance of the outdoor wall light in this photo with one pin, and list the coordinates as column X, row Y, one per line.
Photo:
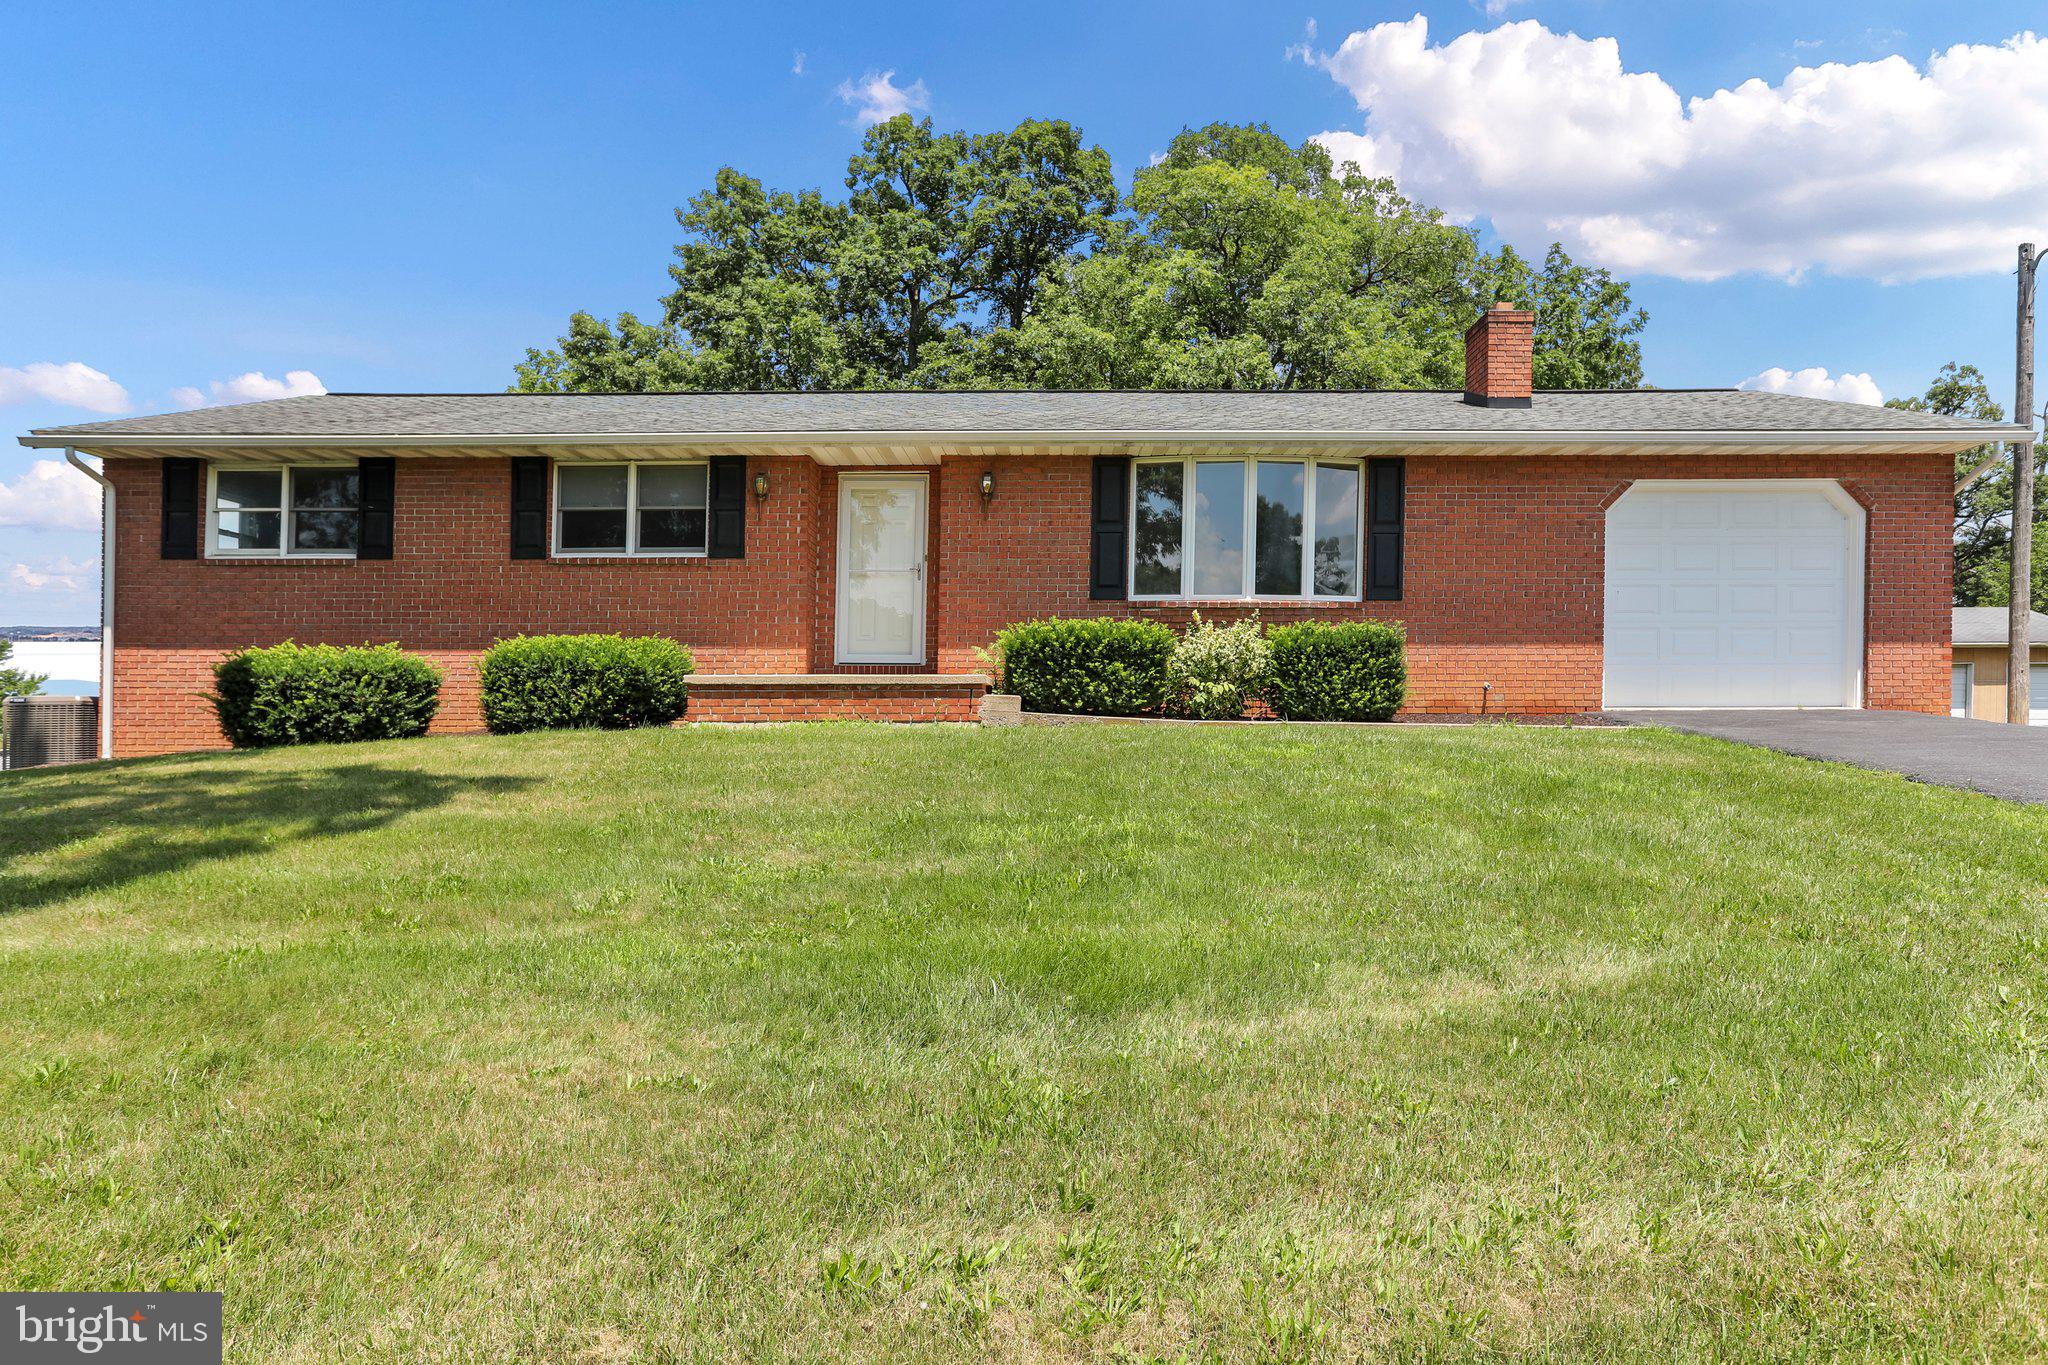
column 988, row 486
column 761, row 486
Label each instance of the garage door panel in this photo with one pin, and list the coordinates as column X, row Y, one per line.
column 1634, row 556
column 1751, row 643
column 1813, row 600
column 1814, row 557
column 1695, row 558
column 1693, row 599
column 1729, row 597
column 1813, row 514
column 1699, row 514
column 1636, row 599
column 1812, row 647
column 1753, row 599
column 1752, row 514
column 1700, row 644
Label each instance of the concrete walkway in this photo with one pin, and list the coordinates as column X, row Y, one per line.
column 2009, row 761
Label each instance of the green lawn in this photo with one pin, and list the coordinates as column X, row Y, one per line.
column 1095, row 1042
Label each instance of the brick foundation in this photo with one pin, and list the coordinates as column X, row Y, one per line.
column 948, row 699
column 1504, row 563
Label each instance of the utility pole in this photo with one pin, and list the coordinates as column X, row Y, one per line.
column 2019, row 616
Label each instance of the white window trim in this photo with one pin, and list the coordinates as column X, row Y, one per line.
column 286, row 513
column 1245, row 593
column 632, row 550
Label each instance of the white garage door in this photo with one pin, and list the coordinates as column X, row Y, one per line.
column 1742, row 594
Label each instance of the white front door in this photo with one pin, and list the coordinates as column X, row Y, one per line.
column 1959, row 679
column 881, row 568
column 2037, row 695
column 1734, row 593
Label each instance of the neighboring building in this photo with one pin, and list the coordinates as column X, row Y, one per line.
column 848, row 554
column 1978, row 672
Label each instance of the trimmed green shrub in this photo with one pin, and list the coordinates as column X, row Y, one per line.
column 1087, row 667
column 571, row 682
column 1216, row 670
column 323, row 694
column 1354, row 671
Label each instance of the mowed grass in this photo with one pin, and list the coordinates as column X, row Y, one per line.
column 843, row 1041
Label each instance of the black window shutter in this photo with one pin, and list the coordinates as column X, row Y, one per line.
column 728, row 537
column 375, row 480
column 1387, row 484
column 181, row 508
column 529, row 507
column 1108, row 528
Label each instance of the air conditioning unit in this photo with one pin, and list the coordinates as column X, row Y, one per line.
column 43, row 731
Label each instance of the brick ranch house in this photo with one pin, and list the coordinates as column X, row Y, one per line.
column 847, row 554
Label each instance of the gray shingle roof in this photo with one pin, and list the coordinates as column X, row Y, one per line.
column 1986, row 626
column 1080, row 413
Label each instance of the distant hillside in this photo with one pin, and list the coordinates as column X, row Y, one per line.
column 49, row 633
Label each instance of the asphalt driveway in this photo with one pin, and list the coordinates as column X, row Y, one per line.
column 2010, row 761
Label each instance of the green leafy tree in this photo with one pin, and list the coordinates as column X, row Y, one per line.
column 1586, row 325
column 15, row 682
column 1983, row 512
column 1008, row 260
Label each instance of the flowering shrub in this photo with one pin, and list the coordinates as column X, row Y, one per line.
column 1215, row 670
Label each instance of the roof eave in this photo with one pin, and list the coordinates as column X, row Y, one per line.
column 1935, row 441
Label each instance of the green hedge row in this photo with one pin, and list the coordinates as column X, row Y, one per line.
column 323, row 694
column 567, row 682
column 1356, row 670
column 331, row 694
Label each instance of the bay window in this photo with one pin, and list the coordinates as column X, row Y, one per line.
column 313, row 510
column 631, row 509
column 1260, row 528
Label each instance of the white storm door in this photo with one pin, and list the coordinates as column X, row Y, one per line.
column 881, row 569
column 1738, row 593
column 2037, row 694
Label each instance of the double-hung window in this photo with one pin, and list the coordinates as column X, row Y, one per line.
column 1246, row 528
column 311, row 510
column 631, row 509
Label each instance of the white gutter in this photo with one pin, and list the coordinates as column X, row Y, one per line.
column 1872, row 440
column 106, row 598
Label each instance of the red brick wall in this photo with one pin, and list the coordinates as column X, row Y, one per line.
column 449, row 590
column 1503, row 581
column 1503, row 575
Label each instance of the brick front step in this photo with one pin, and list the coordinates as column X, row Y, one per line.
column 748, row 697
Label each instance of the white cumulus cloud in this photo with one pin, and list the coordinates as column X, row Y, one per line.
column 1883, row 169
column 54, row 575
column 73, row 384
column 876, row 97
column 1815, row 382
column 253, row 387
column 51, row 496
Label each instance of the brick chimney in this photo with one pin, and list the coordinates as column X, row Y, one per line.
column 1499, row 358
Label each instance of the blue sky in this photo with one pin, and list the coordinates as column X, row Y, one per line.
column 393, row 197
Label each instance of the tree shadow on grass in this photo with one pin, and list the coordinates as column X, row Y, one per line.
column 96, row 829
